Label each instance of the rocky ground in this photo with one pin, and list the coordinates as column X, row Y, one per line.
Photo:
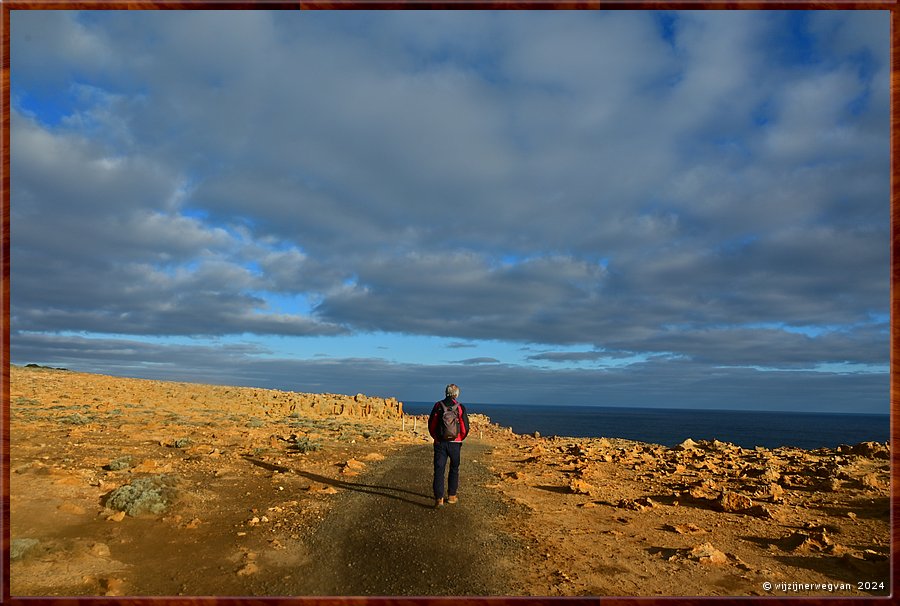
column 132, row 487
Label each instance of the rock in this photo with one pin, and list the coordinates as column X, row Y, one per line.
column 100, row 550
column 688, row 444
column 761, row 511
column 537, row 434
column 684, row 528
column 732, row 502
column 802, row 542
column 116, row 517
column 871, row 450
column 374, row 456
column 874, row 556
column 354, row 465
column 580, row 487
column 707, row 554
column 636, row 504
column 248, row 569
column 871, row 481
column 112, row 587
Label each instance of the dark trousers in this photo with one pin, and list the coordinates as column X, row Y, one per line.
column 442, row 452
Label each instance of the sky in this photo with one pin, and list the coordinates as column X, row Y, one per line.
column 623, row 208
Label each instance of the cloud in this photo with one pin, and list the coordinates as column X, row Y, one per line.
column 482, row 360
column 575, row 356
column 459, row 345
column 718, row 194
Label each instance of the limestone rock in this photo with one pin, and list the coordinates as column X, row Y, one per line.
column 684, row 528
column 871, row 450
column 816, row 541
column 707, row 554
column 732, row 502
column 354, row 465
column 688, row 444
column 580, row 487
column 871, row 481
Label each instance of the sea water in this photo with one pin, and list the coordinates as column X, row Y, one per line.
column 669, row 427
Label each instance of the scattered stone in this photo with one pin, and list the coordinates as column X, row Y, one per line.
column 851, row 515
column 248, row 569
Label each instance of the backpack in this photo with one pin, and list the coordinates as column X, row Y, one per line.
column 448, row 426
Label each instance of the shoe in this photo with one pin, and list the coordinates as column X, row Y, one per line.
column 438, row 503
column 452, row 499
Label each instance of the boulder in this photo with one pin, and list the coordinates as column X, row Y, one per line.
column 732, row 502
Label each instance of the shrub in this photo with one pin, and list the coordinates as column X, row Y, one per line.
column 143, row 495
column 76, row 419
column 119, row 464
column 305, row 445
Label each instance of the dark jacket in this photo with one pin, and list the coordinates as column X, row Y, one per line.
column 434, row 420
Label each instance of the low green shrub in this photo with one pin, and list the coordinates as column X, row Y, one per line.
column 151, row 495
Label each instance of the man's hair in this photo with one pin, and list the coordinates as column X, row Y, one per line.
column 452, row 391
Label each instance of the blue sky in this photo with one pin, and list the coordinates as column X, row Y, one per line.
column 629, row 208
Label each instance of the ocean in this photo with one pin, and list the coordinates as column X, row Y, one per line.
column 672, row 426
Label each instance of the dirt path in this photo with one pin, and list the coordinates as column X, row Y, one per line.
column 384, row 537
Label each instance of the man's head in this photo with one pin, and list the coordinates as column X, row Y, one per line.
column 452, row 391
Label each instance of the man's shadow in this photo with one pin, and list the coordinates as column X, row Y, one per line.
column 384, row 491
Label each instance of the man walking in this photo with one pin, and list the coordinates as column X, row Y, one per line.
column 448, row 424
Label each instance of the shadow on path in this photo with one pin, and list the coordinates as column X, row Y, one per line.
column 385, row 491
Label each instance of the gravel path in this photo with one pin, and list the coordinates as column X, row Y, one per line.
column 384, row 536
